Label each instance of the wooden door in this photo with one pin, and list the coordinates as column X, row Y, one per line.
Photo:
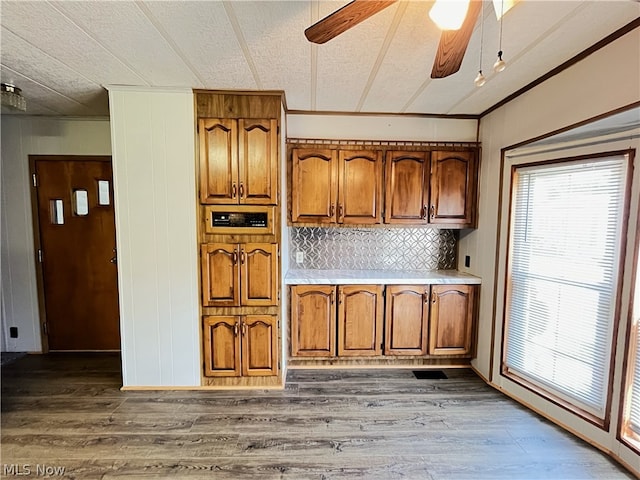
column 406, row 183
column 314, row 186
column 259, row 345
column 406, row 317
column 76, row 226
column 258, row 161
column 220, row 274
column 453, row 179
column 218, row 161
column 360, row 314
column 359, row 186
column 313, row 321
column 222, row 346
column 452, row 314
column 259, row 274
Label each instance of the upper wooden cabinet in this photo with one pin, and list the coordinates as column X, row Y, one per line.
column 330, row 186
column 239, row 274
column 313, row 321
column 452, row 314
column 244, row 345
column 406, row 187
column 360, row 318
column 406, row 319
column 238, row 161
column 453, row 188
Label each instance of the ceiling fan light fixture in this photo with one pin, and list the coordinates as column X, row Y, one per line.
column 449, row 14
column 480, row 79
column 500, row 64
column 12, row 97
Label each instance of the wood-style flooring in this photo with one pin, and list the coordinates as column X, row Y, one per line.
column 66, row 411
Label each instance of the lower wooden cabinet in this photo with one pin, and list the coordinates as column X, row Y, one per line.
column 374, row 320
column 452, row 312
column 240, row 345
column 360, row 315
column 406, row 320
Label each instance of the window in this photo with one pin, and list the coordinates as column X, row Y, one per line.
column 566, row 224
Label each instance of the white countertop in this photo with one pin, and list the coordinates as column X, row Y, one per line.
column 387, row 277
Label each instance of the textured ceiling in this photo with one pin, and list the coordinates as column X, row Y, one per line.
column 63, row 53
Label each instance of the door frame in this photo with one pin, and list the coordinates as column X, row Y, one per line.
column 37, row 244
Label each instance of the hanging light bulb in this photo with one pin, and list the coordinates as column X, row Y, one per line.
column 480, row 79
column 500, row 64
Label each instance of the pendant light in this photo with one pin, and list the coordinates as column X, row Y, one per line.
column 480, row 80
column 500, row 64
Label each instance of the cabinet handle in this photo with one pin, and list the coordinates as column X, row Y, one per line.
column 433, row 211
column 241, row 190
column 235, row 329
column 425, row 296
column 234, row 257
column 423, row 214
column 434, row 297
column 332, row 210
column 234, row 190
column 244, row 329
column 333, row 300
column 242, row 257
column 341, row 210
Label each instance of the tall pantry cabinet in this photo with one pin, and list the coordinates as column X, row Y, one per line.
column 239, row 233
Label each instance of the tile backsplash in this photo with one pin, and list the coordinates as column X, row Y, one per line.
column 373, row 248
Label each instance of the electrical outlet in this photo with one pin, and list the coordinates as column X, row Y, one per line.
column 299, row 256
column 467, row 261
column 13, row 332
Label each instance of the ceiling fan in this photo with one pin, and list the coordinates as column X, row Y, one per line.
column 451, row 49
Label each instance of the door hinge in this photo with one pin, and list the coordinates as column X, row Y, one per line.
column 45, row 329
column 34, row 179
column 40, row 255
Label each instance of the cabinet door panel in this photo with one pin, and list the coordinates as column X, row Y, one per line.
column 359, row 186
column 218, row 161
column 220, row 274
column 406, row 187
column 259, row 345
column 259, row 279
column 221, row 346
column 360, row 313
column 314, row 186
column 452, row 312
column 406, row 320
column 258, row 161
column 313, row 321
column 453, row 178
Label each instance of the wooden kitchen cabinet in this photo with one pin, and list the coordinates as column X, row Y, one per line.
column 452, row 315
column 313, row 321
column 360, row 318
column 240, row 345
column 238, row 161
column 244, row 274
column 406, row 187
column 453, row 188
column 330, row 186
column 406, row 319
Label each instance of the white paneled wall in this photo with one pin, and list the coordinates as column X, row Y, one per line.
column 23, row 136
column 153, row 137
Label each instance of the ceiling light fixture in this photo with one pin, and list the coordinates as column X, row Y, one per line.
column 449, row 14
column 12, row 97
column 480, row 80
column 500, row 64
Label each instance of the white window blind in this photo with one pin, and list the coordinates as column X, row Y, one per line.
column 564, row 247
column 631, row 427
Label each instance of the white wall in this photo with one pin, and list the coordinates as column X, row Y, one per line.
column 153, row 137
column 23, row 136
column 604, row 81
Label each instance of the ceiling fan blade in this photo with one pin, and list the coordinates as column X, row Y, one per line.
column 453, row 44
column 342, row 20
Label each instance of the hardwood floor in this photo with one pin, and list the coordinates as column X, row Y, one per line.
column 66, row 411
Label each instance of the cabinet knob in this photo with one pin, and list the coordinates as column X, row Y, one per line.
column 433, row 211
